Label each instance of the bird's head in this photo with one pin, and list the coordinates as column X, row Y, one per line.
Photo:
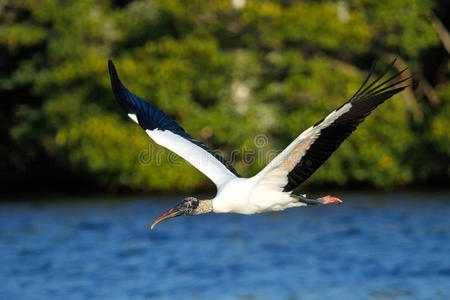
column 189, row 206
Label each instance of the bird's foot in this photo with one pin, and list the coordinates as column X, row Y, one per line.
column 330, row 200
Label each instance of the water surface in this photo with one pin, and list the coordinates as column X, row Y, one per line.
column 385, row 246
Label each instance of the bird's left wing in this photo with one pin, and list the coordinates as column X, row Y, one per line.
column 166, row 132
column 313, row 147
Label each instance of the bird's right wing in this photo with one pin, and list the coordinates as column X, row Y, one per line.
column 313, row 147
column 166, row 132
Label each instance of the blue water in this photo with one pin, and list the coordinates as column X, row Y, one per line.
column 385, row 246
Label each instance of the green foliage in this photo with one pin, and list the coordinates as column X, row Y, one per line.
column 227, row 74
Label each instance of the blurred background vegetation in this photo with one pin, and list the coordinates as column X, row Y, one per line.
column 227, row 70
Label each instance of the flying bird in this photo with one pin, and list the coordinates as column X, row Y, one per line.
column 272, row 188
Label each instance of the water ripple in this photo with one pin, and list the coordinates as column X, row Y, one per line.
column 396, row 248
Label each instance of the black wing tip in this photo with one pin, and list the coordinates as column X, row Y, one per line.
column 119, row 90
column 394, row 60
column 115, row 81
column 112, row 69
column 380, row 87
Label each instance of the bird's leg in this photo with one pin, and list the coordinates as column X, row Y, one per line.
column 329, row 200
column 320, row 201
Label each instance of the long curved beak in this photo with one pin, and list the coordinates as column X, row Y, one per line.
column 171, row 213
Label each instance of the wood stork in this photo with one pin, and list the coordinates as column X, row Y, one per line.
column 272, row 188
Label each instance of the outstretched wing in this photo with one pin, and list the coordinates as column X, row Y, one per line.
column 315, row 145
column 166, row 132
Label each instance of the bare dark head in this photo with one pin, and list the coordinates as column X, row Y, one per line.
column 189, row 206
